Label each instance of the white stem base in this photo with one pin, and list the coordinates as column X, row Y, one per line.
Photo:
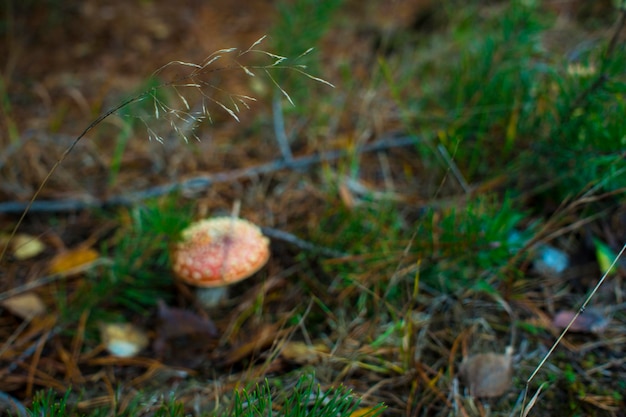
column 211, row 297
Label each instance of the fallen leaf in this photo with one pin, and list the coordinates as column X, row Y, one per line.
column 26, row 246
column 72, row 259
column 182, row 325
column 124, row 340
column 365, row 412
column 488, row 374
column 179, row 322
column 25, row 306
column 590, row 321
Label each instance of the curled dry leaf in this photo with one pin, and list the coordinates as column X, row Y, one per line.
column 590, row 321
column 123, row 339
column 488, row 374
column 25, row 306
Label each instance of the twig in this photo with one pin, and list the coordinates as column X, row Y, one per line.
column 301, row 244
column 200, row 182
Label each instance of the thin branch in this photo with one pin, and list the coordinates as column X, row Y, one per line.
column 201, row 182
column 304, row 245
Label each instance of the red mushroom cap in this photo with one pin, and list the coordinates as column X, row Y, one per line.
column 219, row 251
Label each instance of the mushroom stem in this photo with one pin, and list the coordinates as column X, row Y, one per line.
column 218, row 252
column 211, row 297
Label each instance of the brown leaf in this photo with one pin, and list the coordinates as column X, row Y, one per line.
column 72, row 259
column 488, row 374
column 183, row 326
column 179, row 322
column 25, row 306
column 590, row 321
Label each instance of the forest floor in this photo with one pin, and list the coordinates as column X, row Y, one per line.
column 442, row 186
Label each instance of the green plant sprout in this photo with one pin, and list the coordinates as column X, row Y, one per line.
column 49, row 404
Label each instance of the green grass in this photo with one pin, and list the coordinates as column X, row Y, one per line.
column 50, row 404
column 305, row 397
column 504, row 106
column 500, row 101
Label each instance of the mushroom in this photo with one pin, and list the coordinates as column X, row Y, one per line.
column 217, row 252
